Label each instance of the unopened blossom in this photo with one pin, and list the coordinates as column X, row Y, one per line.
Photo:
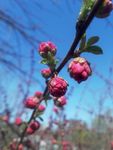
column 55, row 109
column 41, row 108
column 79, row 69
column 30, row 102
column 5, row 118
column 47, row 47
column 38, row 94
column 29, row 131
column 46, row 72
column 21, row 147
column 61, row 101
column 57, row 86
column 18, row 121
column 34, row 125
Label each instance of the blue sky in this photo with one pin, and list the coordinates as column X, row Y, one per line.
column 59, row 23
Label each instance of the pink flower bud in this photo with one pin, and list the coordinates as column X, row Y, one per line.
column 38, row 94
column 5, row 118
column 46, row 72
column 79, row 69
column 12, row 146
column 47, row 47
column 21, row 147
column 112, row 144
column 65, row 143
column 57, row 86
column 41, row 108
column 55, row 109
column 53, row 141
column 18, row 121
column 35, row 125
column 30, row 102
column 29, row 131
column 60, row 102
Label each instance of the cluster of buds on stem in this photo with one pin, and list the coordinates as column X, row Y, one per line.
column 13, row 145
column 57, row 86
column 31, row 102
column 33, row 126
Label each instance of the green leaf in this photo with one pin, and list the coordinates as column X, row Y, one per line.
column 46, row 102
column 92, row 40
column 41, row 119
column 83, row 42
column 56, row 61
column 44, row 61
column 94, row 49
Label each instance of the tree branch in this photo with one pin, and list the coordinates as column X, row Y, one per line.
column 79, row 33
